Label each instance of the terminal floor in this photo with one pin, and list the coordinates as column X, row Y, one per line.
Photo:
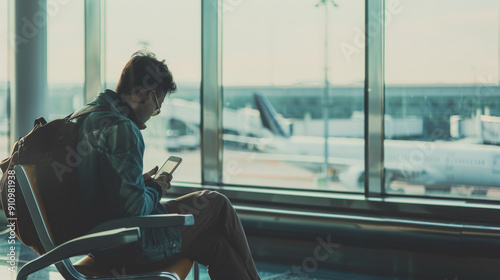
column 268, row 270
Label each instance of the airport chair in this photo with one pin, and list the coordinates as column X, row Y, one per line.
column 111, row 234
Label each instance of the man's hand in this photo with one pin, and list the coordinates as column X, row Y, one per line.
column 149, row 176
column 164, row 182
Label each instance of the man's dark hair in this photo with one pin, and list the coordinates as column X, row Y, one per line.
column 144, row 71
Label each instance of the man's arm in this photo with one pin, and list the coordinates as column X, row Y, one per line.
column 121, row 171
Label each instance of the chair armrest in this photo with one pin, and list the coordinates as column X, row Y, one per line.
column 149, row 221
column 81, row 245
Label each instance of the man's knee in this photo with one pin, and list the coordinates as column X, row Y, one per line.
column 209, row 199
column 215, row 195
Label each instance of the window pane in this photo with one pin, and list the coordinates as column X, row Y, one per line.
column 442, row 89
column 65, row 57
column 4, row 121
column 171, row 30
column 274, row 94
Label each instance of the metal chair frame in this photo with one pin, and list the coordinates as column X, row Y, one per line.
column 111, row 234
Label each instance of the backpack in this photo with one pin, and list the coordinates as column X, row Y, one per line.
column 51, row 147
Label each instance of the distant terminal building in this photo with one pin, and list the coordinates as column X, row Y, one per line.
column 490, row 130
column 432, row 104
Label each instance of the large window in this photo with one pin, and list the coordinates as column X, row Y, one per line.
column 293, row 76
column 4, row 118
column 171, row 30
column 442, row 77
column 65, row 57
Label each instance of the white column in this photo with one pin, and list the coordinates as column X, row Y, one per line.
column 27, row 64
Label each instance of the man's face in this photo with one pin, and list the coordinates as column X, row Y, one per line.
column 152, row 103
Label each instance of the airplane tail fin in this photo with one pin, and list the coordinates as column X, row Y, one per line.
column 269, row 116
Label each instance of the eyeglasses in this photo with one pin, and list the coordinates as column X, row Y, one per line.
column 157, row 110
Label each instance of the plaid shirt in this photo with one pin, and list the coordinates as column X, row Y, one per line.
column 110, row 175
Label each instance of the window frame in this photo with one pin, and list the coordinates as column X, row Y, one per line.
column 374, row 201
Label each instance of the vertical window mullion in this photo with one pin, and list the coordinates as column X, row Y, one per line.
column 374, row 97
column 211, row 94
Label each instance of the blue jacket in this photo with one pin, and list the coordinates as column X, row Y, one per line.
column 110, row 174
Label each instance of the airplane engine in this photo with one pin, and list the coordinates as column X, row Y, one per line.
column 353, row 177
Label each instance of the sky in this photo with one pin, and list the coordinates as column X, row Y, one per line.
column 282, row 42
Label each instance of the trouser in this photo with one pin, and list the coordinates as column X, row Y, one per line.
column 217, row 239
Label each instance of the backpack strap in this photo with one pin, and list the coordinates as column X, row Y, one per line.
column 86, row 111
column 68, row 132
column 41, row 120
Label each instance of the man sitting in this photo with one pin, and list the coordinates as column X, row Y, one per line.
column 112, row 183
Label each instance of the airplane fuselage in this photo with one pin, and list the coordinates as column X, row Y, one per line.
column 417, row 162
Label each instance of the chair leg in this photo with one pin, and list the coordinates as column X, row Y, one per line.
column 196, row 271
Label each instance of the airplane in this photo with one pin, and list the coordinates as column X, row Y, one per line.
column 268, row 134
column 425, row 163
column 242, row 127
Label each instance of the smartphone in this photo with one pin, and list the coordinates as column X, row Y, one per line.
column 169, row 166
